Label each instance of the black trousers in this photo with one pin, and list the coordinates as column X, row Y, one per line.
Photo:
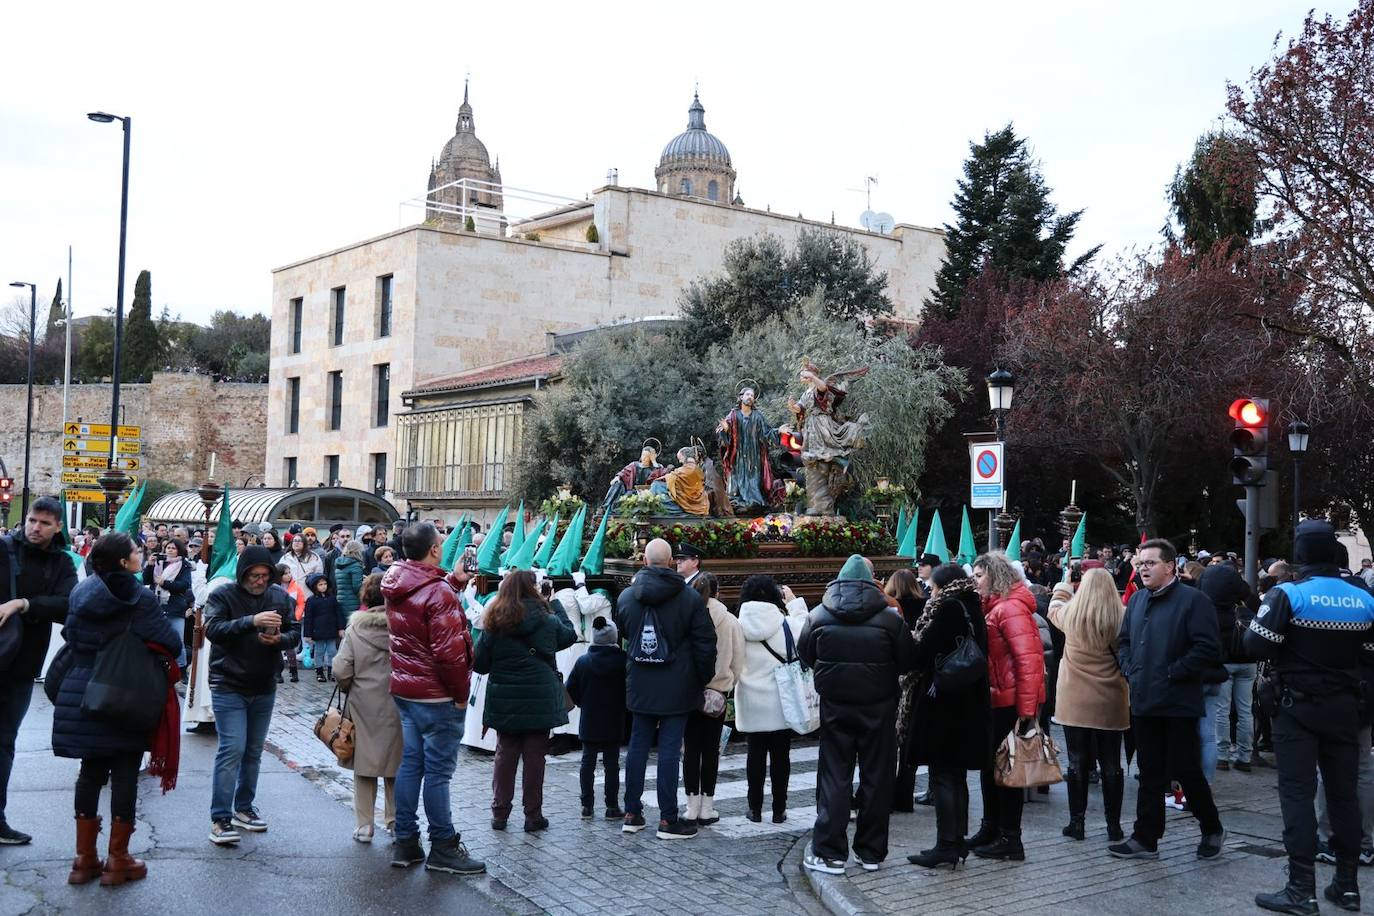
column 866, row 735
column 1093, row 747
column 121, row 770
column 949, row 789
column 610, row 763
column 771, row 750
column 701, row 753
column 1002, row 806
column 1309, row 735
column 1167, row 747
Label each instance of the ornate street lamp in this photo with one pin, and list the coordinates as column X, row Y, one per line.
column 1299, row 434
column 1001, row 386
column 114, row 482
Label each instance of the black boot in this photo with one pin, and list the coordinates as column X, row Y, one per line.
column 987, row 833
column 1344, row 889
column 944, row 853
column 1077, row 783
column 1113, row 787
column 1007, row 848
column 904, row 790
column 1298, row 896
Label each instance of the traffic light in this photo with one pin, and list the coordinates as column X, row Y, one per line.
column 6, row 494
column 1250, row 441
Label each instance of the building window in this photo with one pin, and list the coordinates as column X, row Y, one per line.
column 379, row 473
column 335, row 399
column 713, row 190
column 293, row 405
column 384, row 306
column 381, row 385
column 331, row 471
column 337, row 319
column 686, row 186
column 297, row 315
column 289, row 472
column 463, row 451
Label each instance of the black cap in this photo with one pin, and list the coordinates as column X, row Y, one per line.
column 335, row 529
column 687, row 551
column 1315, row 543
column 929, row 559
column 236, row 524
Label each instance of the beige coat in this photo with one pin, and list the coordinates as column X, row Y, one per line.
column 363, row 669
column 1091, row 693
column 729, row 647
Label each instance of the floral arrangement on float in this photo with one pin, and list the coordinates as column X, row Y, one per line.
column 563, row 504
column 840, row 538
column 887, row 493
column 715, row 540
column 775, row 527
column 640, row 504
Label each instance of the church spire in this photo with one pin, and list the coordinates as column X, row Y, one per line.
column 696, row 114
column 465, row 123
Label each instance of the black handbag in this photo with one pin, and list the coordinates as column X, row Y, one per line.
column 128, row 685
column 964, row 666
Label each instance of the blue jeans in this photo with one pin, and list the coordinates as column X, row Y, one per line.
column 323, row 653
column 430, row 733
column 14, row 705
column 1207, row 728
column 1241, row 688
column 241, row 721
column 670, row 730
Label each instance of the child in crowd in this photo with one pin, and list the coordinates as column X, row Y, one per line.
column 322, row 625
column 597, row 685
column 297, row 592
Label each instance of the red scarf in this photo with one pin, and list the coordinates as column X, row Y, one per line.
column 164, row 756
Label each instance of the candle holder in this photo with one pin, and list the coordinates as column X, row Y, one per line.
column 1005, row 523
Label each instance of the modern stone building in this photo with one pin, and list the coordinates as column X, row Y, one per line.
column 354, row 328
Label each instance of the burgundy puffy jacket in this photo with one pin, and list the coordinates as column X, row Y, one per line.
column 1016, row 656
column 431, row 649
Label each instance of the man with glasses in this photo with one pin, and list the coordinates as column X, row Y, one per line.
column 1169, row 640
column 248, row 625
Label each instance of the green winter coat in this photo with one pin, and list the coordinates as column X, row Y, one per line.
column 348, row 584
column 524, row 688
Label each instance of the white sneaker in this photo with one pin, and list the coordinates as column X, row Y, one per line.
column 866, row 866
column 363, row 834
column 813, row 862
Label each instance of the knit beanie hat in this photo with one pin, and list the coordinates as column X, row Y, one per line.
column 855, row 568
column 1315, row 543
column 604, row 633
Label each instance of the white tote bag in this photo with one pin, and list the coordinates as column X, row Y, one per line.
column 801, row 705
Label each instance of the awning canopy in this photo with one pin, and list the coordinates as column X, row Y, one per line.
column 279, row 506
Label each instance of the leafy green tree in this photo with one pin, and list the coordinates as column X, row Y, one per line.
column 143, row 347
column 1215, row 198
column 94, row 357
column 233, row 346
column 1006, row 222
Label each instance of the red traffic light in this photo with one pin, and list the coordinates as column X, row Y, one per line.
column 1250, row 411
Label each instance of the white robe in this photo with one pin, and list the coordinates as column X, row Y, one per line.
column 197, row 707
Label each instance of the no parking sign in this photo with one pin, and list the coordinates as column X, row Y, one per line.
column 986, row 472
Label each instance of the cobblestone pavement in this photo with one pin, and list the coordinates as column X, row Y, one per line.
column 581, row 866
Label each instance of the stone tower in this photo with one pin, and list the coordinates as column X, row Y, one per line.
column 465, row 157
column 695, row 163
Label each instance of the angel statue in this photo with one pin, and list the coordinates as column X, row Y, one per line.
column 827, row 440
column 639, row 473
column 744, row 436
column 683, row 489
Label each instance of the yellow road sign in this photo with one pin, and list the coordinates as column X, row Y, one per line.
column 98, row 446
column 85, row 478
column 84, row 496
column 77, row 430
column 80, row 461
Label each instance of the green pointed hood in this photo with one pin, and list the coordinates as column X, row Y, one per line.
column 449, row 556
column 1080, row 536
column 902, row 525
column 224, row 550
column 907, row 546
column 935, row 541
column 1014, row 546
column 524, row 557
column 517, row 536
column 544, row 554
column 968, row 550
column 595, row 557
column 564, row 559
column 127, row 518
column 488, row 555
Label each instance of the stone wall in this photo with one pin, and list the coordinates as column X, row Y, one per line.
column 184, row 417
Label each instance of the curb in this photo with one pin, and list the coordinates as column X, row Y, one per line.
column 835, row 893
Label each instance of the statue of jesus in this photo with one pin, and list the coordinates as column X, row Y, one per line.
column 744, row 436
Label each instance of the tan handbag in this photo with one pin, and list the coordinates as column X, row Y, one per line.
column 1025, row 761
column 335, row 729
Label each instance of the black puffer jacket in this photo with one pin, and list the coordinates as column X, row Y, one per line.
column 102, row 607
column 1236, row 604
column 675, row 688
column 238, row 661
column 856, row 645
column 597, row 685
column 46, row 577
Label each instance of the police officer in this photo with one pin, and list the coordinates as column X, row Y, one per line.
column 1317, row 630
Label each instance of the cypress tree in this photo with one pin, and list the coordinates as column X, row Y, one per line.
column 142, row 344
column 55, row 314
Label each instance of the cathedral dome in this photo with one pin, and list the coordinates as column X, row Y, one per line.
column 464, row 148
column 696, row 143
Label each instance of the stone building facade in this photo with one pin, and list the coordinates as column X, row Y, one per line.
column 695, row 163
column 465, row 158
column 354, row 328
column 184, row 417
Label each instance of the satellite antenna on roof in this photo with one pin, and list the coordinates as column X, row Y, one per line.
column 881, row 223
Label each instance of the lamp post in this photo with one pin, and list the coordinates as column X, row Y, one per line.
column 1001, row 385
column 1299, row 433
column 114, row 482
column 105, row 118
column 28, row 410
column 210, row 493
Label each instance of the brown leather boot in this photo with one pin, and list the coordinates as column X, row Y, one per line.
column 86, row 865
column 120, row 866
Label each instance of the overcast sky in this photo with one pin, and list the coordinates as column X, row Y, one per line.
column 266, row 133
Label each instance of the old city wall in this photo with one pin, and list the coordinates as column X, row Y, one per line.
column 184, row 417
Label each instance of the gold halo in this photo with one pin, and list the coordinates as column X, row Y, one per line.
column 657, row 446
column 740, row 386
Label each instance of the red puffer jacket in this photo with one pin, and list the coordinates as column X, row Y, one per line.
column 431, row 649
column 1016, row 657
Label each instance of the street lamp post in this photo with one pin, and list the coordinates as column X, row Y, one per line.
column 104, row 118
column 28, row 410
column 1299, row 433
column 1001, row 384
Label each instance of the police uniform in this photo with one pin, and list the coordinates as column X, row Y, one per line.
column 1318, row 632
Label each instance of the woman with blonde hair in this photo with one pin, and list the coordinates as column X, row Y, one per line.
column 1093, row 697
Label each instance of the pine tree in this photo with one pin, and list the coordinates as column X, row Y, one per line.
column 142, row 344
column 55, row 315
column 1005, row 221
column 1215, row 197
